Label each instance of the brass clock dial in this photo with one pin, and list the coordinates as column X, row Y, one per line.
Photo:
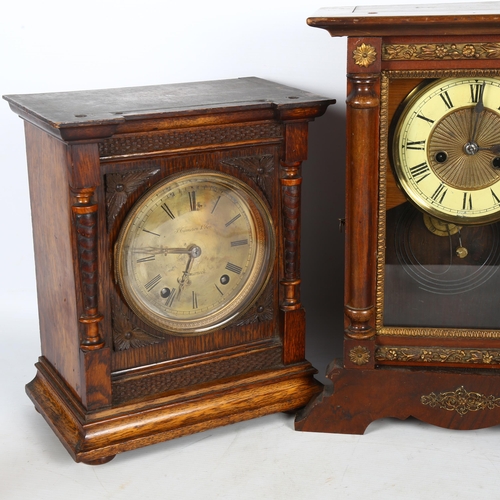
column 194, row 252
column 446, row 149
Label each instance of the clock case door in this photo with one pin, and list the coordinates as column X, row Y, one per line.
column 406, row 352
column 107, row 382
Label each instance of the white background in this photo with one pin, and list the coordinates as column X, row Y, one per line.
column 54, row 45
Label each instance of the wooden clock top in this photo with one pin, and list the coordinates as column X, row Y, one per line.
column 481, row 18
column 63, row 113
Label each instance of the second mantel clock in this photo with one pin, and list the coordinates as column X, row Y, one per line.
column 422, row 292
column 166, row 227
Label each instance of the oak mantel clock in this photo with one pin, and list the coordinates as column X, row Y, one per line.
column 422, row 288
column 166, row 227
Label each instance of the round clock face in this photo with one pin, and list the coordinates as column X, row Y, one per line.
column 446, row 149
column 194, row 252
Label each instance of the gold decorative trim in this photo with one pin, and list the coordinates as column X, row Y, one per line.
column 438, row 355
column 386, row 77
column 381, row 230
column 440, row 51
column 440, row 73
column 438, row 332
column 364, row 55
column 359, row 355
column 461, row 401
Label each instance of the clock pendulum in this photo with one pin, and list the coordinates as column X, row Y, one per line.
column 422, row 330
column 166, row 227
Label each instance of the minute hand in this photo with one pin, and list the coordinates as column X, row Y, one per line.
column 164, row 250
column 478, row 110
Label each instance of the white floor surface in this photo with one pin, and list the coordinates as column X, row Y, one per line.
column 259, row 459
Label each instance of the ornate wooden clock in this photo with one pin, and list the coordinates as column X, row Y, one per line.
column 422, row 290
column 167, row 229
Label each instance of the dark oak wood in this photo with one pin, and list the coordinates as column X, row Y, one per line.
column 106, row 381
column 480, row 18
column 407, row 367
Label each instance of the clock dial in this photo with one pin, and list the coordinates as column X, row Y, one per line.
column 446, row 149
column 194, row 253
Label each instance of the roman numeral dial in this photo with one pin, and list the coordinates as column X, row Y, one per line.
column 195, row 252
column 446, row 149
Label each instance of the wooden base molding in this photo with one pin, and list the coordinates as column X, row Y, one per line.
column 451, row 399
column 96, row 437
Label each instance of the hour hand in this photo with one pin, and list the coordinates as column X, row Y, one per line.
column 495, row 149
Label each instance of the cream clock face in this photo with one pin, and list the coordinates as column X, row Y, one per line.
column 446, row 149
column 194, row 252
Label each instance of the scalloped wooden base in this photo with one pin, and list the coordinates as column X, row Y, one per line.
column 453, row 399
column 96, row 437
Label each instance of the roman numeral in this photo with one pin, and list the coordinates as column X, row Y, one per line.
column 446, row 99
column 238, row 243
column 417, row 145
column 234, row 219
column 152, row 283
column 168, row 211
column 476, row 91
column 422, row 117
column 149, row 258
column 420, row 172
column 467, row 203
column 192, row 200
column 233, row 268
column 440, row 193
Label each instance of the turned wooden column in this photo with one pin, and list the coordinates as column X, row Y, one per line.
column 85, row 217
column 362, row 114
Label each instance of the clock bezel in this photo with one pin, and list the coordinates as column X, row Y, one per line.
column 261, row 272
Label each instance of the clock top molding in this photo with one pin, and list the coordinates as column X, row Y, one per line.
column 481, row 18
column 94, row 114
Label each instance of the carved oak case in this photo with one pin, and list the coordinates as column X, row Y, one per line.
column 422, row 329
column 162, row 159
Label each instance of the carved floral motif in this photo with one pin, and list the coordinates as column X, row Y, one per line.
column 258, row 168
column 126, row 335
column 364, row 55
column 461, row 401
column 120, row 186
column 261, row 311
column 359, row 355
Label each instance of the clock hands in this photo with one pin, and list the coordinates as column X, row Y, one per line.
column 495, row 149
column 194, row 251
column 162, row 250
column 471, row 147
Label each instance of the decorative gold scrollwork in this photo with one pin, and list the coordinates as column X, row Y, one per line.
column 438, row 355
column 461, row 401
column 440, row 51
